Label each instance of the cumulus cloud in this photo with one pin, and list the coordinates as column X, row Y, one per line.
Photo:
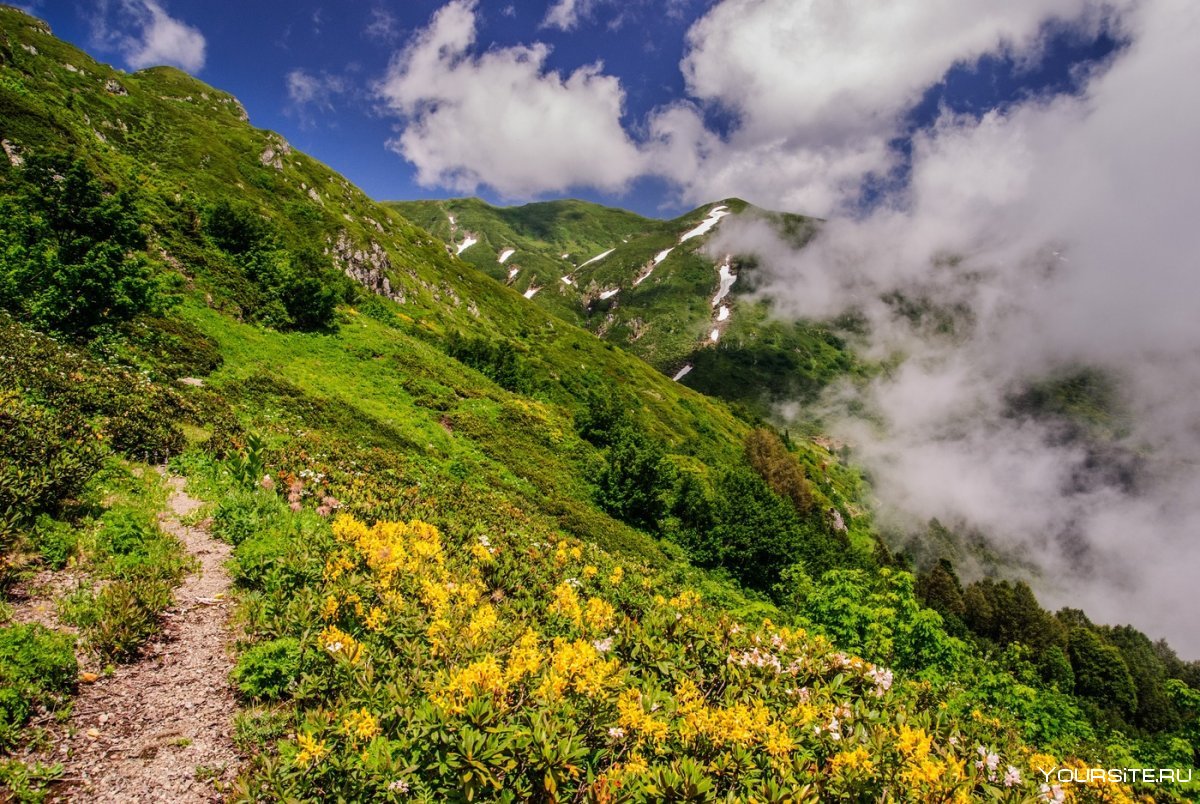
column 148, row 36
column 820, row 88
column 818, row 91
column 501, row 118
column 566, row 14
column 1058, row 233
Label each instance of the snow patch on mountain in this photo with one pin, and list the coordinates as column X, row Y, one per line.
column 714, row 216
column 597, row 257
column 466, row 244
column 727, row 277
column 504, row 255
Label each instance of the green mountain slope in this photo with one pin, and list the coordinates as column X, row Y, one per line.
column 651, row 287
column 480, row 552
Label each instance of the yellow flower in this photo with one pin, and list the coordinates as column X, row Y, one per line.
column 361, row 726
column 778, row 741
column 482, row 553
column 337, row 565
column 599, row 614
column 685, row 600
column 435, row 596
column 857, row 760
column 577, row 665
column 632, row 716
column 376, row 618
column 1043, row 763
column 330, row 609
column 576, row 553
column 525, row 658
column 348, row 529
column 483, row 676
column 914, row 743
column 566, row 603
column 311, row 750
column 589, row 572
column 634, row 766
column 483, row 622
column 434, row 633
column 340, row 645
column 618, row 574
column 928, row 771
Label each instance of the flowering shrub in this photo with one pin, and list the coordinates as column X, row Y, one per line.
column 502, row 667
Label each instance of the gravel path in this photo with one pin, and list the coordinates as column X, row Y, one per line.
column 160, row 730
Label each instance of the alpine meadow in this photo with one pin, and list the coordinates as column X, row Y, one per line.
column 308, row 496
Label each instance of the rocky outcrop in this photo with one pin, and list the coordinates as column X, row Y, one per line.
column 368, row 267
column 13, row 153
column 277, row 148
column 113, row 88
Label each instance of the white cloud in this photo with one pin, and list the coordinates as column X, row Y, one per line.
column 820, row 87
column 500, row 118
column 317, row 90
column 160, row 38
column 565, row 14
column 1073, row 218
column 382, row 26
column 818, row 90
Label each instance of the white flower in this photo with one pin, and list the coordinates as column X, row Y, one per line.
column 1013, row 777
column 398, row 786
column 1054, row 793
column 603, row 645
column 616, row 733
column 334, row 646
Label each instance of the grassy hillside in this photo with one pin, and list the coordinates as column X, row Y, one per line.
column 652, row 292
column 480, row 552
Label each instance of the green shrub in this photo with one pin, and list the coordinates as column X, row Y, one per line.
column 266, row 671
column 46, row 456
column 126, row 614
column 36, row 666
column 136, row 416
column 55, row 541
column 241, row 514
column 71, row 256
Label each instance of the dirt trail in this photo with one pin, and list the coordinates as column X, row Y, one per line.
column 160, row 730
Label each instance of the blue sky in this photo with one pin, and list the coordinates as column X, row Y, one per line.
column 318, row 72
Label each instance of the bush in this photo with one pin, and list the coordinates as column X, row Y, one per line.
column 136, row 416
column 637, row 479
column 499, row 361
column 241, row 514
column 46, row 456
column 55, row 541
column 70, row 250
column 37, row 666
column 132, row 549
column 767, row 456
column 268, row 670
column 125, row 616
